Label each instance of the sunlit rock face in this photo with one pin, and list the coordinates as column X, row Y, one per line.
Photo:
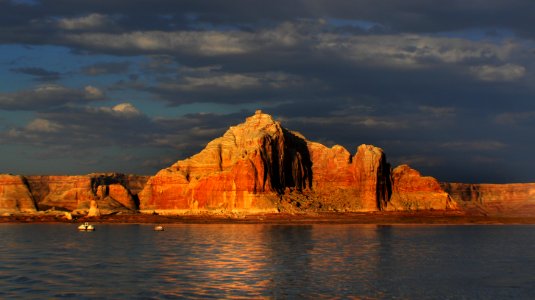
column 412, row 191
column 345, row 182
column 110, row 191
column 61, row 192
column 514, row 199
column 116, row 192
column 94, row 211
column 242, row 170
column 261, row 166
column 257, row 166
column 15, row 196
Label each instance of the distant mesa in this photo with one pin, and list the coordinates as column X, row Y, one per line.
column 110, row 193
column 261, row 167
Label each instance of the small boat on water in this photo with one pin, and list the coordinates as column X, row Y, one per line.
column 158, row 228
column 86, row 227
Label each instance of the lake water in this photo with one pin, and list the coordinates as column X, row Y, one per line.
column 39, row 261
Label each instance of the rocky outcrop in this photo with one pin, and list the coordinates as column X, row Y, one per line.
column 412, row 191
column 94, row 211
column 345, row 182
column 261, row 166
column 257, row 166
column 14, row 195
column 111, row 191
column 515, row 199
column 61, row 192
column 242, row 170
column 116, row 192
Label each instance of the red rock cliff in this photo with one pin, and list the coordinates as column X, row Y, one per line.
column 15, row 196
column 257, row 166
column 343, row 182
column 110, row 191
column 514, row 199
column 242, row 170
column 412, row 191
column 260, row 166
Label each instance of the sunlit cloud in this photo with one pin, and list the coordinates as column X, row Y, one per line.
column 43, row 125
column 507, row 72
column 412, row 50
column 91, row 21
column 48, row 95
column 206, row 43
column 514, row 118
column 126, row 109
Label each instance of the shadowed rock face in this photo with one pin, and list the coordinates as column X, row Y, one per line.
column 515, row 199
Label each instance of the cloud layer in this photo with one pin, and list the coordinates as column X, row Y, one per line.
column 446, row 87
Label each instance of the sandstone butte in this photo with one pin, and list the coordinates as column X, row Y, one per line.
column 261, row 167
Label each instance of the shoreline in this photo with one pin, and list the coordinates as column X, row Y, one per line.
column 374, row 218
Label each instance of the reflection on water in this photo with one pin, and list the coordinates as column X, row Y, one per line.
column 266, row 261
column 288, row 251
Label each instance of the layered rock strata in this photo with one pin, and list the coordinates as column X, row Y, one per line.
column 14, row 195
column 514, row 199
column 259, row 166
column 112, row 192
column 242, row 170
column 412, row 191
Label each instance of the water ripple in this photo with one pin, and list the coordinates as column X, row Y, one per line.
column 266, row 261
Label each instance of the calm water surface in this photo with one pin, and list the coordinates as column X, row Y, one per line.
column 39, row 261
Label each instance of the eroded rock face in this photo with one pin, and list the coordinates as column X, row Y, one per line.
column 94, row 211
column 412, row 191
column 111, row 191
column 242, row 170
column 14, row 195
column 116, row 192
column 61, row 192
column 257, row 166
column 515, row 199
column 260, row 166
column 349, row 183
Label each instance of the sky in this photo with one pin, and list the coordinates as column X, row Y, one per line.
column 133, row 86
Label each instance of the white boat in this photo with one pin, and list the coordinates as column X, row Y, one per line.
column 158, row 228
column 86, row 227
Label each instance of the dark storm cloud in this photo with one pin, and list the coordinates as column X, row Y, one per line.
column 85, row 126
column 225, row 87
column 40, row 74
column 104, row 68
column 190, row 133
column 61, row 19
column 400, row 16
column 46, row 96
column 78, row 131
column 446, row 86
